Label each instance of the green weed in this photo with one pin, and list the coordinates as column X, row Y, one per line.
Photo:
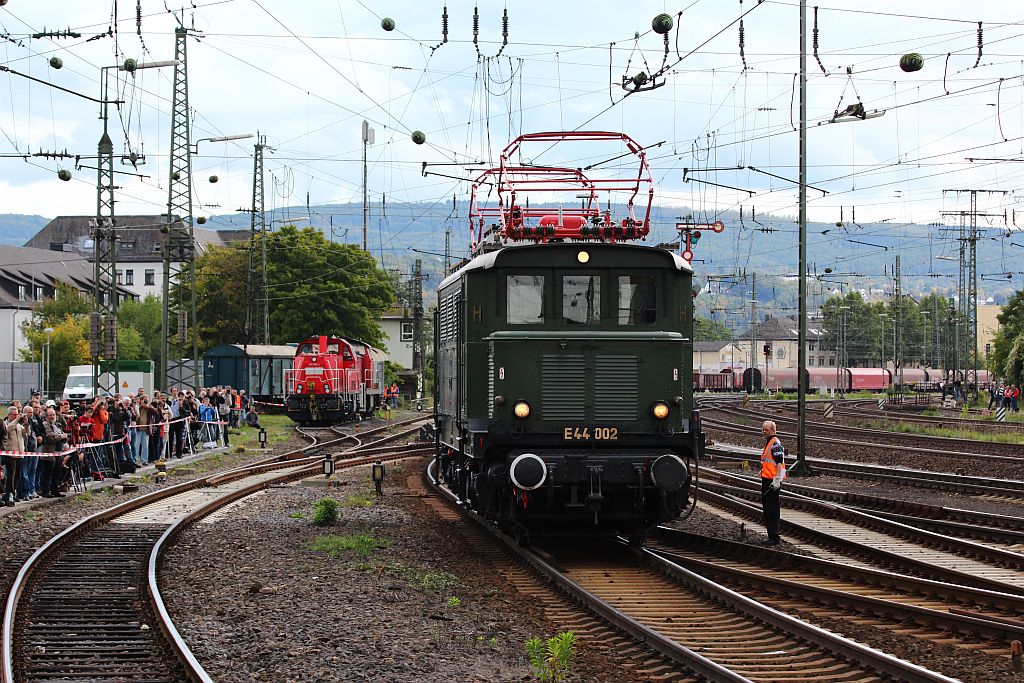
column 297, row 515
column 551, row 660
column 325, row 512
column 453, row 601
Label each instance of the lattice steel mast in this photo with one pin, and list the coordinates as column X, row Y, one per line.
column 179, row 291
column 257, row 310
column 103, row 318
column 967, row 347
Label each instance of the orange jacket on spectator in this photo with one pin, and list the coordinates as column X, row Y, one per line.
column 99, row 421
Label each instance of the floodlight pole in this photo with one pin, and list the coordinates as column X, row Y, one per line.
column 800, row 468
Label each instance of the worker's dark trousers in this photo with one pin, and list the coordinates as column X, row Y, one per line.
column 770, row 506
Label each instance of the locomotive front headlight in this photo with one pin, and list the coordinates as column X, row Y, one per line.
column 521, row 409
column 659, row 410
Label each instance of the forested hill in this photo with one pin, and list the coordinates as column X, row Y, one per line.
column 860, row 256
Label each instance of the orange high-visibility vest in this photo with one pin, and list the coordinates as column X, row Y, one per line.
column 769, row 468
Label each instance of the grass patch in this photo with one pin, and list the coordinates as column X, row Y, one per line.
column 279, row 429
column 297, row 515
column 360, row 499
column 360, row 544
column 424, row 579
column 84, row 497
column 433, row 581
column 907, row 428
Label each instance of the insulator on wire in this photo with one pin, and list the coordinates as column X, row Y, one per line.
column 476, row 29
column 742, row 55
column 980, row 42
column 504, row 28
column 814, row 43
column 444, row 30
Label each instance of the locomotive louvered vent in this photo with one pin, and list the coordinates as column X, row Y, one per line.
column 563, row 386
column 615, row 387
column 449, row 320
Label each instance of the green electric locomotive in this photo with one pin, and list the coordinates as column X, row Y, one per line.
column 563, row 367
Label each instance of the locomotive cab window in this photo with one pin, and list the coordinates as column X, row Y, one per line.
column 638, row 301
column 332, row 348
column 581, row 299
column 524, row 303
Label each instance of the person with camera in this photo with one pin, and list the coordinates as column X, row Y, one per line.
column 53, row 467
column 119, row 420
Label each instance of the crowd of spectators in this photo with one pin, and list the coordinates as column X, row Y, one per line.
column 48, row 444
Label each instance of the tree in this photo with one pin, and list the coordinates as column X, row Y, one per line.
column 710, row 330
column 146, row 319
column 1007, row 357
column 66, row 314
column 68, row 346
column 314, row 287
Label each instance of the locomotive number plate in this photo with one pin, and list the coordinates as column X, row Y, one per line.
column 590, row 434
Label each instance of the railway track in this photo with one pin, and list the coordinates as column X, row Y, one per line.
column 937, row 611
column 995, row 489
column 868, row 411
column 864, row 438
column 706, row 629
column 87, row 605
column 851, row 536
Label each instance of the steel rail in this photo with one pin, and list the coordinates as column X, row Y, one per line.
column 959, row 483
column 959, row 546
column 54, row 545
column 194, row 669
column 923, row 616
column 869, row 576
column 879, row 555
column 711, row 423
column 938, row 441
column 845, row 648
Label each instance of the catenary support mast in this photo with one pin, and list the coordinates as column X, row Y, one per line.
column 180, row 357
column 800, row 468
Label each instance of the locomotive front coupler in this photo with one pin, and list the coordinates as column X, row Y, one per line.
column 596, row 497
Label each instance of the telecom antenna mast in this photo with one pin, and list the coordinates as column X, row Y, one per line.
column 180, row 345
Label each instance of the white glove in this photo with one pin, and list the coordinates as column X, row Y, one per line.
column 776, row 484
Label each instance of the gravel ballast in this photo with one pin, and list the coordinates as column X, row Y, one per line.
column 257, row 601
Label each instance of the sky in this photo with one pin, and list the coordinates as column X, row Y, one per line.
column 306, row 74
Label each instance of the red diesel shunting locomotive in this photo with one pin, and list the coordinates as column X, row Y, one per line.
column 334, row 380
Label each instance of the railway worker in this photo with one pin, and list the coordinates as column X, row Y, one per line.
column 773, row 471
column 394, row 395
column 1014, row 395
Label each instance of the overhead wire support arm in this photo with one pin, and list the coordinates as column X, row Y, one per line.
column 728, row 187
column 757, row 170
column 58, row 87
